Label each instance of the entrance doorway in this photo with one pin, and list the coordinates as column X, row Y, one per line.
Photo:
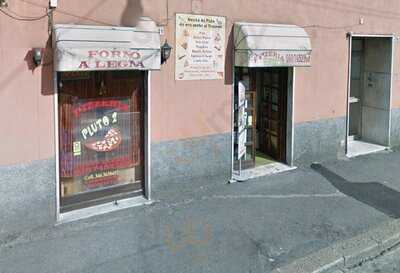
column 267, row 111
column 369, row 100
column 101, row 137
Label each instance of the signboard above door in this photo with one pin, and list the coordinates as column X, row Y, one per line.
column 269, row 45
column 95, row 48
column 200, row 47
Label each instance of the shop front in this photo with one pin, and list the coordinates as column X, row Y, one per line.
column 265, row 59
column 102, row 109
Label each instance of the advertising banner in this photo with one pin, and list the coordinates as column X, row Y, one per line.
column 242, row 120
column 200, row 47
column 102, row 141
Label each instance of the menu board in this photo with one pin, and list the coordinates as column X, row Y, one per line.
column 200, row 47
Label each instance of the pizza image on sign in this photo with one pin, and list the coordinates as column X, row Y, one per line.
column 110, row 142
column 104, row 136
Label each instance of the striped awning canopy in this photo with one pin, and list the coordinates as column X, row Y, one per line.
column 271, row 45
column 91, row 48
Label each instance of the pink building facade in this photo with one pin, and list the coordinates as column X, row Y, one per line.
column 347, row 92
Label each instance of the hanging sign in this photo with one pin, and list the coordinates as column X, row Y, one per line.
column 242, row 144
column 242, row 114
column 242, row 93
column 200, row 47
column 242, row 120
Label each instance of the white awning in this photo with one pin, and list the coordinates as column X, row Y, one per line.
column 269, row 45
column 91, row 48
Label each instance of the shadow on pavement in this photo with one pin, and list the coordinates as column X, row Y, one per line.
column 374, row 194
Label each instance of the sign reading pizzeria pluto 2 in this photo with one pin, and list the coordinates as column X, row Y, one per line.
column 200, row 47
column 101, row 142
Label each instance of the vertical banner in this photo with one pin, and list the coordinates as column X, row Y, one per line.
column 200, row 47
column 242, row 120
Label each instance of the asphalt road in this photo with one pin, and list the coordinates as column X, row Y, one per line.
column 388, row 263
column 208, row 226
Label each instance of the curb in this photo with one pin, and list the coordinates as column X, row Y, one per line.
column 349, row 253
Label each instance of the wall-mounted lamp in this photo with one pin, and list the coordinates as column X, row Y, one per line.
column 37, row 56
column 165, row 52
column 53, row 4
column 3, row 4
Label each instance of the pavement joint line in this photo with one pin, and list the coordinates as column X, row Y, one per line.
column 26, row 237
column 252, row 196
column 268, row 196
column 351, row 253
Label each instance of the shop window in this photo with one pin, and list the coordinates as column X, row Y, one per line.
column 101, row 136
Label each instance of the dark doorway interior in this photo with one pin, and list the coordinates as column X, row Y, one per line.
column 266, row 95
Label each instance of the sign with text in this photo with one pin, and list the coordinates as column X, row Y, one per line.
column 102, row 137
column 242, row 120
column 242, row 139
column 272, row 58
column 83, row 59
column 200, row 47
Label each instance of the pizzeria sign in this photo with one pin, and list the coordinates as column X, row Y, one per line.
column 106, row 59
column 93, row 48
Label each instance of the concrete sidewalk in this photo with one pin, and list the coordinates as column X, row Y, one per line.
column 210, row 226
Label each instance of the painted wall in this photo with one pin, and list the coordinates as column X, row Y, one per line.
column 26, row 102
column 181, row 110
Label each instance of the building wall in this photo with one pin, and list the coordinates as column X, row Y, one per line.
column 191, row 121
column 180, row 111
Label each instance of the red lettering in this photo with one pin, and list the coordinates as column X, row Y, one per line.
column 100, row 64
column 136, row 64
column 84, row 65
column 104, row 54
column 112, row 64
column 123, row 64
column 92, row 53
column 132, row 54
column 115, row 54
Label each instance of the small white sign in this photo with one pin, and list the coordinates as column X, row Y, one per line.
column 242, row 118
column 242, row 144
column 242, row 93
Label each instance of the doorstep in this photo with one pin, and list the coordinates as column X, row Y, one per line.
column 356, row 148
column 261, row 171
column 102, row 209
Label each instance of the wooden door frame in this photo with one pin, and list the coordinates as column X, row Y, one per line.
column 108, row 207
column 283, row 74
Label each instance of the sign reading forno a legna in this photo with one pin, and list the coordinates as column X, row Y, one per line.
column 200, row 47
column 81, row 59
